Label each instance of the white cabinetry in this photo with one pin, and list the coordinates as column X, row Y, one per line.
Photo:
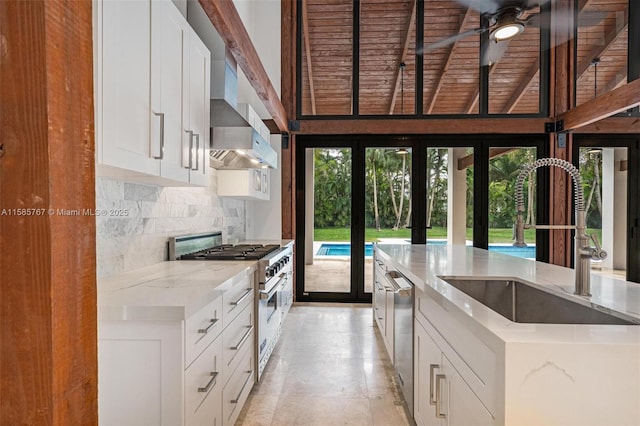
column 383, row 305
column 249, row 184
column 123, row 71
column 196, row 371
column 442, row 397
column 152, row 93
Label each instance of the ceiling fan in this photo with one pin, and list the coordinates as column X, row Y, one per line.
column 505, row 19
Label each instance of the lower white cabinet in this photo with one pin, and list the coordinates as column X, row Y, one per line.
column 441, row 395
column 196, row 371
column 203, row 387
column 236, row 391
column 383, row 306
column 140, row 373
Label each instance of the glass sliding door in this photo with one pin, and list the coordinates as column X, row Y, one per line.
column 388, row 208
column 328, row 207
column 505, row 164
column 449, row 195
column 604, row 173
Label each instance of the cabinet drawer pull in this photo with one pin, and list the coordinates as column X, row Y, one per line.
column 244, row 296
column 243, row 339
column 439, row 414
column 237, row 398
column 432, row 368
column 190, row 149
column 161, row 115
column 205, row 330
column 197, row 136
column 210, row 383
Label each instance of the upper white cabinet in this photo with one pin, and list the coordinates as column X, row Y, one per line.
column 123, row 55
column 248, row 184
column 152, row 96
column 198, row 108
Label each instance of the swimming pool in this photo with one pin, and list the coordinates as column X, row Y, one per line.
column 344, row 249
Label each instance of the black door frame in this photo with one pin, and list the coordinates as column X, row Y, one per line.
column 632, row 143
column 419, row 145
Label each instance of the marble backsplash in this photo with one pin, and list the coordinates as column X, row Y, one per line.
column 142, row 217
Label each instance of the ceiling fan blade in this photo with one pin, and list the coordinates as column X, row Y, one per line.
column 532, row 4
column 493, row 51
column 450, row 40
column 482, row 6
column 585, row 19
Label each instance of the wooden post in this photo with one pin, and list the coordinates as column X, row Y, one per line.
column 48, row 366
column 561, row 95
column 288, row 66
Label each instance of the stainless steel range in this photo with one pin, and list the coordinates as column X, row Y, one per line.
column 274, row 277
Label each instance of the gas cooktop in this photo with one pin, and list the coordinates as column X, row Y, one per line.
column 232, row 252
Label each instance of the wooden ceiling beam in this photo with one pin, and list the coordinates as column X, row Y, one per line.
column 614, row 81
column 467, row 161
column 403, row 56
column 617, row 125
column 466, row 125
column 445, row 68
column 307, row 51
column 598, row 50
column 611, row 103
column 224, row 17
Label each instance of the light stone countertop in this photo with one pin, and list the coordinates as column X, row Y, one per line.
column 167, row 291
column 171, row 290
column 423, row 264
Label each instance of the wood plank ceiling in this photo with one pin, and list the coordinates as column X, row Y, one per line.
column 387, row 39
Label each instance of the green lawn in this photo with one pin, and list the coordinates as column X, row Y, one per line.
column 503, row 235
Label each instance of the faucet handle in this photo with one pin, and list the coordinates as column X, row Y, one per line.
column 597, row 253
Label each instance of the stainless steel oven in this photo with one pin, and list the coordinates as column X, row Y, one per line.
column 274, row 278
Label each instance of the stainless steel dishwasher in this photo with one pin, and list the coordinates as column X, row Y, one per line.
column 403, row 332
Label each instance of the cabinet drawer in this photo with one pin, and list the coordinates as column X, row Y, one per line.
column 379, row 306
column 201, row 328
column 235, row 393
column 460, row 342
column 237, row 339
column 236, row 299
column 203, row 387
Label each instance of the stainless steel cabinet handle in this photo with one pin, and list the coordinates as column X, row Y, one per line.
column 237, row 398
column 266, row 295
column 439, row 414
column 243, row 339
column 190, row 148
column 432, row 368
column 394, row 286
column 205, row 330
column 197, row 136
column 244, row 296
column 210, row 383
column 161, row 115
column 284, row 282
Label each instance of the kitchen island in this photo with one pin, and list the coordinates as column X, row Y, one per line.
column 474, row 366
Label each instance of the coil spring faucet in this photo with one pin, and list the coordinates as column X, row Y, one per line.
column 583, row 250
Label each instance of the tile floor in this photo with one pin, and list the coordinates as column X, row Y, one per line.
column 330, row 368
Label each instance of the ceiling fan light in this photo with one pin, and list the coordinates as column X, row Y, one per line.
column 506, row 31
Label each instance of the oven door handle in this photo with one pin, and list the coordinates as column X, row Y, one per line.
column 265, row 295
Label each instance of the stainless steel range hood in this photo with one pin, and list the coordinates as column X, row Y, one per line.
column 240, row 148
column 239, row 138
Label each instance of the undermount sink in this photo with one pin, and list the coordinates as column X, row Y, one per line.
column 520, row 302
